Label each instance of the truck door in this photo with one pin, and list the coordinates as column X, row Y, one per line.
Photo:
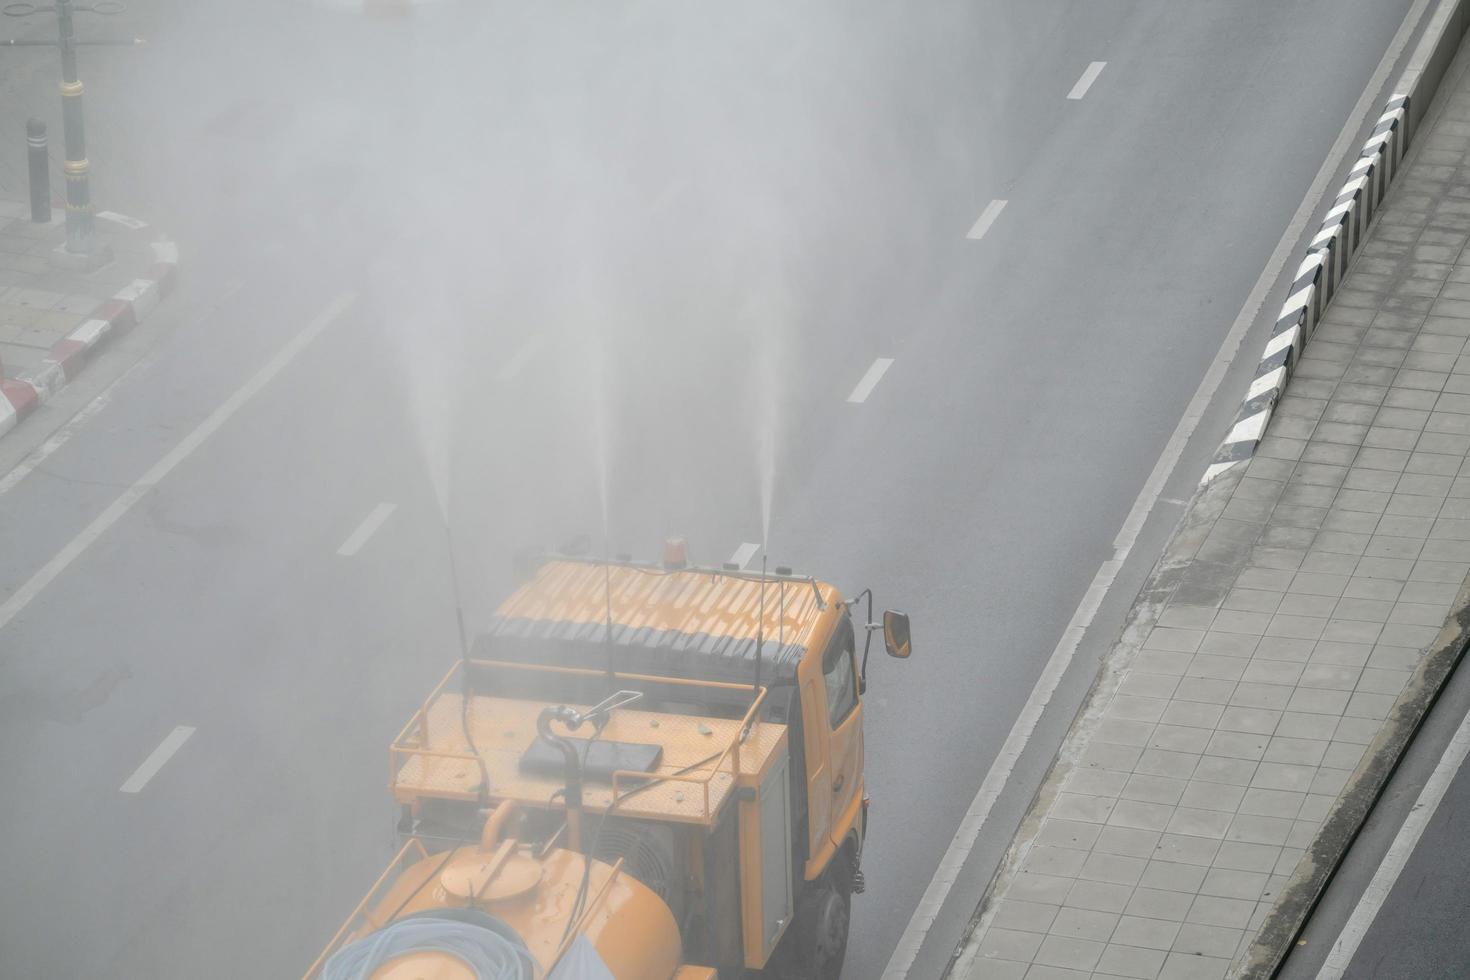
column 844, row 716
column 818, row 764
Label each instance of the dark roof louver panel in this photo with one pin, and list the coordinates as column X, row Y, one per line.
column 641, row 650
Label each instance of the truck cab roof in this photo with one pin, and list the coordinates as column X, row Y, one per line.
column 690, row 622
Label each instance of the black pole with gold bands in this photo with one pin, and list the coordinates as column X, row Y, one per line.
column 81, row 232
column 38, row 165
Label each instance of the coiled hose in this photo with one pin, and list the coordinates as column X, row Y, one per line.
column 485, row 947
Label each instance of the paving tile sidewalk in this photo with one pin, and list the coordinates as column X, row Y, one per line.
column 1290, row 610
column 52, row 317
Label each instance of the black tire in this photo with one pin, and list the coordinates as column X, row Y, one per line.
column 829, row 914
column 816, row 942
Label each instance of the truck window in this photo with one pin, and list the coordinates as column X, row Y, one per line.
column 839, row 675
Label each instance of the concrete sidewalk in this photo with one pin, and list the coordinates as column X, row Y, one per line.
column 1298, row 598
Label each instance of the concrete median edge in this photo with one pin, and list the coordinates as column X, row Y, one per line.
column 1332, row 249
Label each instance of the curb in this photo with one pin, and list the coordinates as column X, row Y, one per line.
column 114, row 318
column 1329, row 254
column 1331, row 250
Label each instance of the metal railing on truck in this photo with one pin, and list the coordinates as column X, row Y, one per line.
column 693, row 793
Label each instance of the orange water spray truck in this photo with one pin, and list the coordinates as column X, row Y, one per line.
column 639, row 771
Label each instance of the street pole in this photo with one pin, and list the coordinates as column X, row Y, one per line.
column 81, row 231
column 40, row 173
column 82, row 247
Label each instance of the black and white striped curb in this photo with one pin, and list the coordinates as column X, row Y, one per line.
column 1318, row 276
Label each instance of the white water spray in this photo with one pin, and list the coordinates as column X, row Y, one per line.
column 767, row 462
column 768, row 326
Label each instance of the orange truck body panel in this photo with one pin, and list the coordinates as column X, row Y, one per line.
column 711, row 761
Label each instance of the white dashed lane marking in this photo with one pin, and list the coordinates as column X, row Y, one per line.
column 987, row 218
column 366, row 529
column 155, row 761
column 870, row 380
column 1088, row 77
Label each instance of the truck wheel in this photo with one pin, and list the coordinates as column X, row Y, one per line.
column 816, row 943
column 814, row 946
column 829, row 919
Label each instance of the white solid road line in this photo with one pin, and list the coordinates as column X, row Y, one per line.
column 959, row 849
column 366, row 529
column 870, row 380
column 48, row 572
column 155, row 761
column 1341, row 954
column 519, row 359
column 744, row 554
column 987, row 218
column 1088, row 77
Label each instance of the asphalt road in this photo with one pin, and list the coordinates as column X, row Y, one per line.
column 669, row 240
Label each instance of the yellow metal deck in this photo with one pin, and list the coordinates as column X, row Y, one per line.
column 432, row 759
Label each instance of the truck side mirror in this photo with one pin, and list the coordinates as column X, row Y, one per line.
column 896, row 636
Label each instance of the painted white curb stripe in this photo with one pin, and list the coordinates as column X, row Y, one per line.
column 1312, row 261
column 165, row 751
column 1297, row 301
column 1279, row 343
column 1215, row 469
column 870, row 380
column 1403, row 845
column 47, row 378
column 1356, row 184
column 1326, row 235
column 1249, row 429
column 1265, row 383
column 366, row 529
column 90, row 332
column 167, row 252
column 142, row 293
